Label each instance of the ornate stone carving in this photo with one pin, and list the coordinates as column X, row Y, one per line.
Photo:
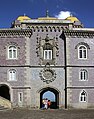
column 47, row 38
column 40, row 46
column 82, row 43
column 12, row 43
column 47, row 75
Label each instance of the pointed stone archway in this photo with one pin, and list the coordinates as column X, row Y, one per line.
column 55, row 103
column 5, row 91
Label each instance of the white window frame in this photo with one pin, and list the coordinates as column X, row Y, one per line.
column 47, row 54
column 83, row 98
column 83, row 51
column 13, row 51
column 12, row 75
column 20, row 97
column 83, row 75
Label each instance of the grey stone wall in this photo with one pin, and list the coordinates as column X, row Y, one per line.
column 20, row 76
column 59, row 61
column 72, row 52
column 75, row 85
column 37, row 84
column 5, row 43
column 74, row 77
column 75, row 103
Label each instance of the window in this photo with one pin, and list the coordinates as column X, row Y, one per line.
column 47, row 54
column 83, row 75
column 47, row 51
column 83, row 96
column 12, row 52
column 20, row 96
column 12, row 75
column 82, row 52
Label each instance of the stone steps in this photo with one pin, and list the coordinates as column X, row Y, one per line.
column 2, row 108
column 4, row 104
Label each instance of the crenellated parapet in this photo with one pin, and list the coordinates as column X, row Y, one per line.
column 15, row 32
column 80, row 33
column 47, row 28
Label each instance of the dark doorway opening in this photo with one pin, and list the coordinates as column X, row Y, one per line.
column 52, row 95
column 4, row 92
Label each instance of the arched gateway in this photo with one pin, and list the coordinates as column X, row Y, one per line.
column 4, row 91
column 55, row 103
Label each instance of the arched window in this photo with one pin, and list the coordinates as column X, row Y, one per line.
column 83, row 96
column 82, row 52
column 12, row 75
column 12, row 52
column 83, row 75
column 47, row 52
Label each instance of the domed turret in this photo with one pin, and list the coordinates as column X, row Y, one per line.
column 72, row 19
column 22, row 18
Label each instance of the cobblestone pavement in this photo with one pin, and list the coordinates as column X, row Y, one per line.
column 47, row 114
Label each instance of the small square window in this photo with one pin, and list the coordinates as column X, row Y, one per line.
column 12, row 52
column 83, row 75
column 48, row 54
column 12, row 75
column 20, row 97
column 83, row 96
column 82, row 52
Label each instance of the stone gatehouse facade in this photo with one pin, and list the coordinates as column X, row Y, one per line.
column 47, row 54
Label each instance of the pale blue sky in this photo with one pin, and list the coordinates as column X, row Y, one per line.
column 49, row 95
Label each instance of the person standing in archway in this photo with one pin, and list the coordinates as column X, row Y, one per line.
column 43, row 105
column 46, row 103
column 49, row 104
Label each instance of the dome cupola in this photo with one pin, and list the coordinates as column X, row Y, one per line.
column 24, row 17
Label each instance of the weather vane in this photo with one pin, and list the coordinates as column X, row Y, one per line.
column 47, row 12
